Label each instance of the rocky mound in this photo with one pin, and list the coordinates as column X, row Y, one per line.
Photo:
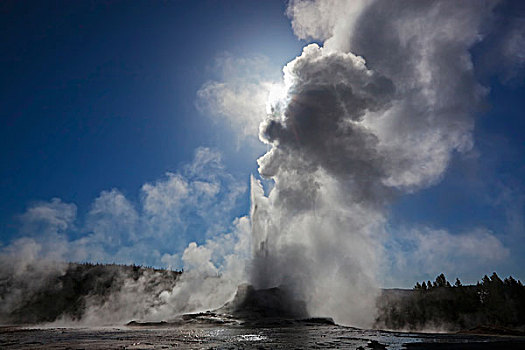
column 274, row 302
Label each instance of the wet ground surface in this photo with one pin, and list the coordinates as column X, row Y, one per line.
column 297, row 336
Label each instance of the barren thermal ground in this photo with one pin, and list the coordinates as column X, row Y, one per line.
column 238, row 337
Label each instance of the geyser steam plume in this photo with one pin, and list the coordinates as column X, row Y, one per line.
column 376, row 111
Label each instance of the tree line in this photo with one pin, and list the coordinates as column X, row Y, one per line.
column 439, row 304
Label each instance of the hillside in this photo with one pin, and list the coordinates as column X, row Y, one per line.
column 63, row 291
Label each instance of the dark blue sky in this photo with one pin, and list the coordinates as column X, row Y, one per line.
column 98, row 95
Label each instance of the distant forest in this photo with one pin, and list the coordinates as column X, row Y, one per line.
column 439, row 305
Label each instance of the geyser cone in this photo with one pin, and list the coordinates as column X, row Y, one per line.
column 273, row 302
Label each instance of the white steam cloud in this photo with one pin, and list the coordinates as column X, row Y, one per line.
column 240, row 97
column 375, row 112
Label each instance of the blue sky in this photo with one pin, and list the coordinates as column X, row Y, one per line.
column 103, row 96
column 100, row 98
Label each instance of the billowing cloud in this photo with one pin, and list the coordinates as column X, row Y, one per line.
column 239, row 98
column 214, row 271
column 329, row 21
column 241, row 105
column 375, row 112
column 113, row 220
column 199, row 198
column 163, row 199
column 51, row 217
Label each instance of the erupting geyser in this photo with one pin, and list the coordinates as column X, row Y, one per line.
column 374, row 112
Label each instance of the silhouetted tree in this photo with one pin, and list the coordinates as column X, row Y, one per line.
column 494, row 279
column 485, row 280
column 441, row 281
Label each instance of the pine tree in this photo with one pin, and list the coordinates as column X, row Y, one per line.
column 441, row 281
